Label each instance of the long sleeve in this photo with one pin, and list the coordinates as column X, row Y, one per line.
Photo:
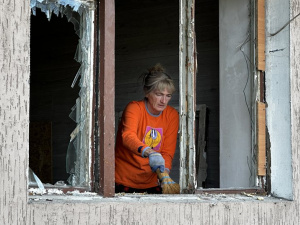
column 131, row 134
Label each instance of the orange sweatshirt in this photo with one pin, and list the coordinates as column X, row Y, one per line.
column 139, row 129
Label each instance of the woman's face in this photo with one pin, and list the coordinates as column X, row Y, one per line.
column 158, row 100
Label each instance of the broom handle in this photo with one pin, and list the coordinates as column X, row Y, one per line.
column 159, row 174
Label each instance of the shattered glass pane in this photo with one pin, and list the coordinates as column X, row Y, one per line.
column 72, row 115
column 56, row 6
column 34, row 180
column 76, row 77
column 78, row 152
column 71, row 156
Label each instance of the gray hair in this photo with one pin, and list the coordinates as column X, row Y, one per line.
column 157, row 79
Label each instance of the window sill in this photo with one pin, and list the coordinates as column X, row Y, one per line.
column 50, row 189
column 254, row 190
column 88, row 197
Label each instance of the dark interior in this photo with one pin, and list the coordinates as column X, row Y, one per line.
column 207, row 89
column 53, row 68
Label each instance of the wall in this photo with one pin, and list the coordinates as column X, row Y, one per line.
column 14, row 120
column 235, row 127
column 278, row 98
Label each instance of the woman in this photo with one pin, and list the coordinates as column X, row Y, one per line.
column 147, row 135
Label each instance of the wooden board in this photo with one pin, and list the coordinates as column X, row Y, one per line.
column 261, row 139
column 261, row 38
column 201, row 165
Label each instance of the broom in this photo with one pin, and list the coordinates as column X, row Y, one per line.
column 168, row 185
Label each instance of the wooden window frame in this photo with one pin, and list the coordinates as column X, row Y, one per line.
column 103, row 153
column 87, row 187
column 105, row 95
column 104, row 99
column 102, row 169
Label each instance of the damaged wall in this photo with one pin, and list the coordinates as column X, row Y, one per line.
column 278, row 97
column 14, row 134
column 235, row 127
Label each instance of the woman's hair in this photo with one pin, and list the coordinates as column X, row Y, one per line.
column 157, row 79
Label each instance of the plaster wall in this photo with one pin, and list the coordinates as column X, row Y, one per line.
column 15, row 206
column 235, row 127
column 278, row 97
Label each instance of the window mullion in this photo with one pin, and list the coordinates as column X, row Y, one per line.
column 106, row 109
column 187, row 71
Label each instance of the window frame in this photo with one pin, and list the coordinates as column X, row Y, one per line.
column 187, row 104
column 102, row 172
column 102, row 161
column 89, row 166
column 104, row 98
column 104, row 68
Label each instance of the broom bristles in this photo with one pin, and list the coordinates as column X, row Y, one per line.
column 168, row 185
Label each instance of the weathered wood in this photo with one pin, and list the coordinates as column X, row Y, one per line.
column 261, row 39
column 187, row 71
column 259, row 191
column 106, row 116
column 262, row 84
column 201, row 164
column 261, row 139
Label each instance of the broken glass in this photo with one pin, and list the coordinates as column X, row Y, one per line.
column 34, row 180
column 80, row 14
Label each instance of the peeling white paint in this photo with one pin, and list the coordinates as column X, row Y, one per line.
column 78, row 193
column 278, row 112
column 235, row 122
column 137, row 197
column 187, row 65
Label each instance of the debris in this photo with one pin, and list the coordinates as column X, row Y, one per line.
column 55, row 192
column 247, row 194
column 36, row 191
column 86, row 193
column 253, row 196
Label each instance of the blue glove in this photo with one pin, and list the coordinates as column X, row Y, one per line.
column 156, row 161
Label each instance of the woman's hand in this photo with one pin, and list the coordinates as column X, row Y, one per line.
column 156, row 161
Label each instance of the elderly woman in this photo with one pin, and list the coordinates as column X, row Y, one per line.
column 147, row 134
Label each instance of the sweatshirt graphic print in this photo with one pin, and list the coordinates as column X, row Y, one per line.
column 153, row 137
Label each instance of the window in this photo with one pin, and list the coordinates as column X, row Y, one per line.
column 213, row 73
column 96, row 72
column 61, row 95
